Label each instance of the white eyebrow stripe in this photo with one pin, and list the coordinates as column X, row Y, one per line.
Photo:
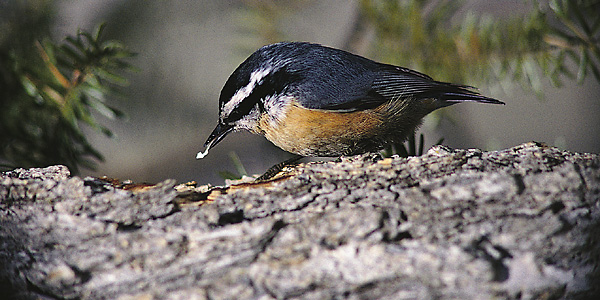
column 255, row 78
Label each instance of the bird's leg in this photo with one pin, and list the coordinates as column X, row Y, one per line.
column 272, row 171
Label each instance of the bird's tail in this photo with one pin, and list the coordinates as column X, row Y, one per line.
column 454, row 93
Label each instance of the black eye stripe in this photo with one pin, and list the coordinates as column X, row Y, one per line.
column 273, row 84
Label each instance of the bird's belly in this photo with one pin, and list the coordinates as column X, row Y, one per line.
column 309, row 132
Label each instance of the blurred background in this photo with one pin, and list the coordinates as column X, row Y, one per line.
column 187, row 49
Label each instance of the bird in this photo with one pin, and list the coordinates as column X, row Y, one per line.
column 313, row 100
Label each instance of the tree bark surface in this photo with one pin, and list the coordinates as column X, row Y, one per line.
column 521, row 223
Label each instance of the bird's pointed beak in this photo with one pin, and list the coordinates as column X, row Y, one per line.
column 215, row 137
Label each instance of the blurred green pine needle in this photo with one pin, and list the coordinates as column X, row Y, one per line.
column 544, row 43
column 49, row 90
column 239, row 167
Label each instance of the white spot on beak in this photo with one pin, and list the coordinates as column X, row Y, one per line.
column 201, row 155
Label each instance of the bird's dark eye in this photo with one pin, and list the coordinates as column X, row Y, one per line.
column 242, row 109
column 274, row 83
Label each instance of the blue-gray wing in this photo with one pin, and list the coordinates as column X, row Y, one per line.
column 346, row 91
column 341, row 81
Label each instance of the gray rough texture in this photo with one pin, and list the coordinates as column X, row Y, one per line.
column 522, row 223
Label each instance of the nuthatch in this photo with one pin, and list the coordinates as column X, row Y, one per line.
column 313, row 100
